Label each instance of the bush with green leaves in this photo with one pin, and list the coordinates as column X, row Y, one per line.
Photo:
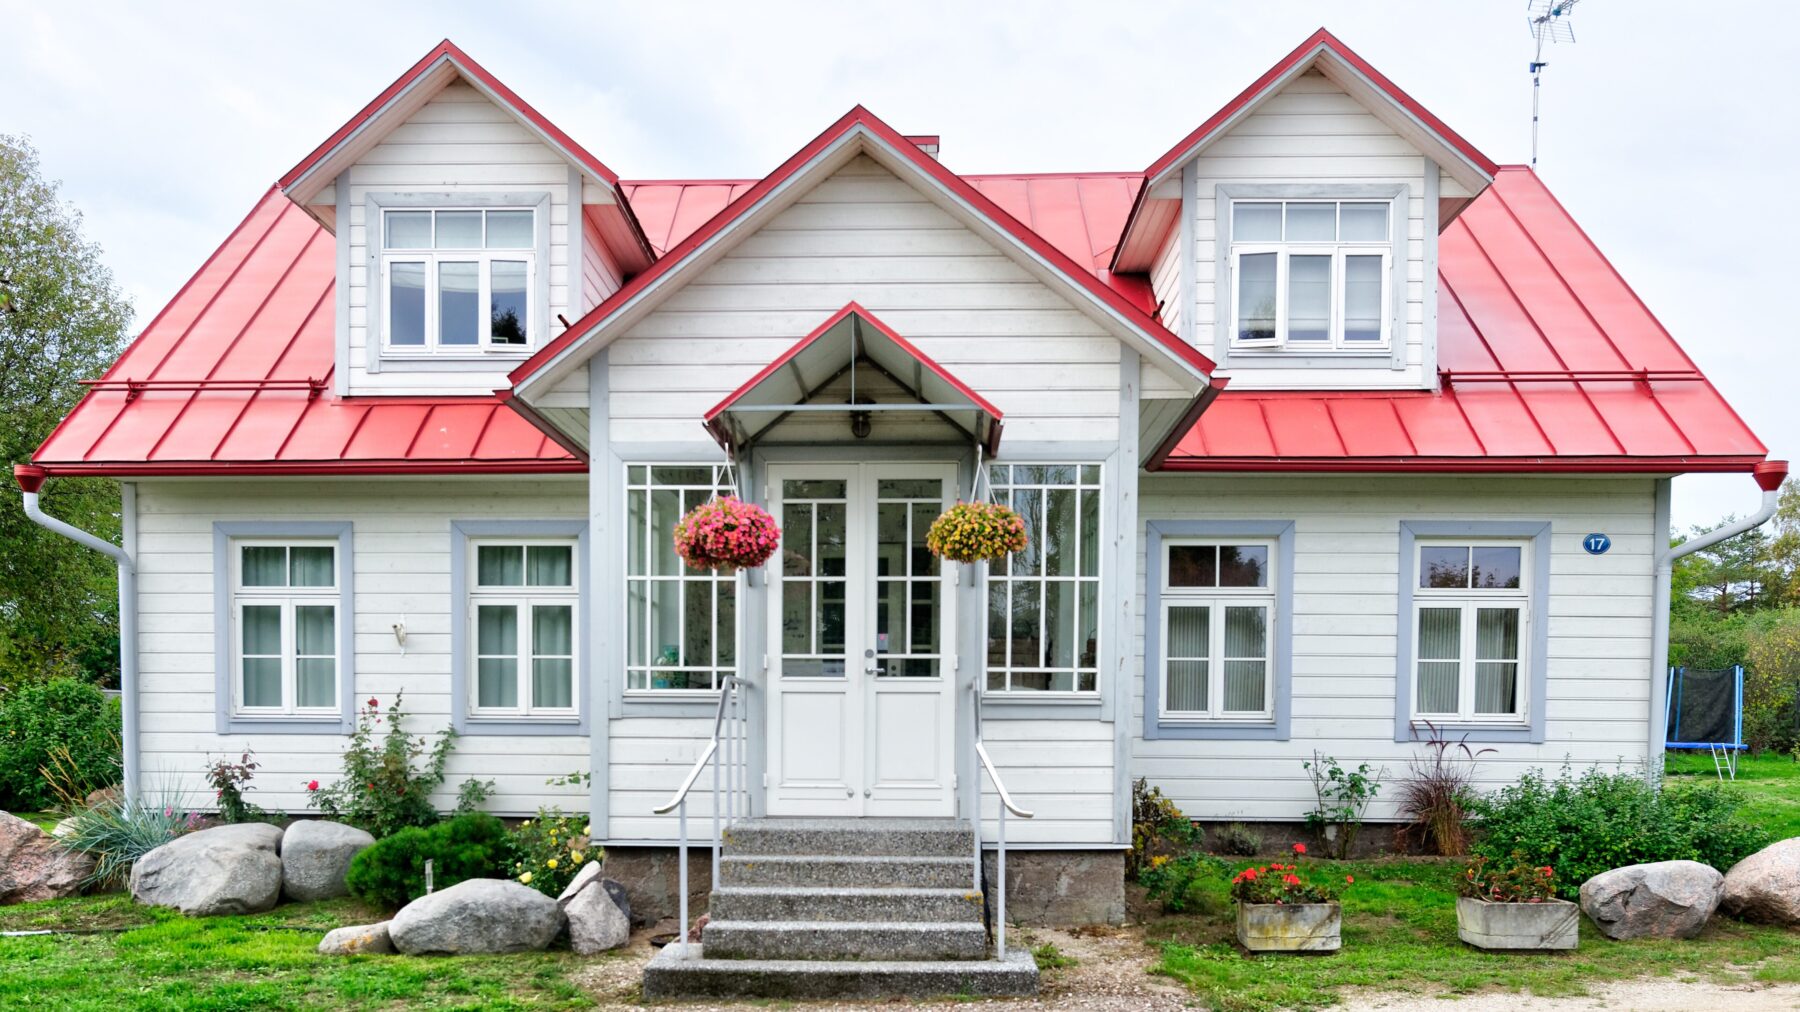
column 1344, row 795
column 1237, row 839
column 387, row 784
column 39, row 722
column 1600, row 820
column 391, row 873
column 1190, row 883
column 549, row 850
column 1157, row 827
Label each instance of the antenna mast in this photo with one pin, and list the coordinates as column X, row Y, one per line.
column 1549, row 21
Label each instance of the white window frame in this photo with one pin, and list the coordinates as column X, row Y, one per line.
column 431, row 258
column 1470, row 600
column 640, row 678
column 1338, row 250
column 287, row 598
column 523, row 599
column 1216, row 599
column 1096, row 487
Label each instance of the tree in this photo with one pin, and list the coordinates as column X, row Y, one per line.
column 62, row 318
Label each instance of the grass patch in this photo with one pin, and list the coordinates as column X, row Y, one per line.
column 1400, row 934
column 1049, row 957
column 268, row 961
column 1769, row 785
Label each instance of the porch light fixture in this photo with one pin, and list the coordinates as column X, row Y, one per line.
column 861, row 422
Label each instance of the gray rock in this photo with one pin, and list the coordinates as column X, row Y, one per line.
column 315, row 856
column 613, row 887
column 33, row 866
column 1766, row 885
column 597, row 923
column 480, row 915
column 1668, row 899
column 225, row 870
column 359, row 939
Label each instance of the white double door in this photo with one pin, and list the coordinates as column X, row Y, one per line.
column 861, row 642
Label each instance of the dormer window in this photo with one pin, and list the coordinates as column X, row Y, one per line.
column 1311, row 275
column 458, row 279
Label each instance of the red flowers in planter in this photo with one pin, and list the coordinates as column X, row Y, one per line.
column 1496, row 883
column 1288, row 883
column 726, row 533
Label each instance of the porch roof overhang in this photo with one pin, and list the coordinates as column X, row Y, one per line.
column 851, row 337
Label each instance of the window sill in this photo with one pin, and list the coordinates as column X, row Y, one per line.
column 1217, row 729
column 477, row 725
column 1382, row 353
column 1042, row 706
column 285, row 723
column 1509, row 731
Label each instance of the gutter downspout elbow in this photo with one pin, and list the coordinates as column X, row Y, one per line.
column 1769, row 475
column 31, row 480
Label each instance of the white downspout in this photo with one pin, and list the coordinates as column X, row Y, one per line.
column 31, row 479
column 1769, row 475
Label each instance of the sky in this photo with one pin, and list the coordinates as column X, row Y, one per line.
column 165, row 122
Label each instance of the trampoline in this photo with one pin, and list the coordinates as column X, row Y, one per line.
column 1706, row 711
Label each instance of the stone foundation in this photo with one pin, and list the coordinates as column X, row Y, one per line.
column 651, row 879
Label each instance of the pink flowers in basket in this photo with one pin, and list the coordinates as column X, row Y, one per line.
column 726, row 533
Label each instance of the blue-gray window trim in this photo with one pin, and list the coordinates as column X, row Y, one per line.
column 1537, row 651
column 465, row 724
column 228, row 722
column 1281, row 684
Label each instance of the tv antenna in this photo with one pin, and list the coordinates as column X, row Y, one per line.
column 1549, row 21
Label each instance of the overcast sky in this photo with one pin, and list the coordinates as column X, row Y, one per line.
column 1669, row 128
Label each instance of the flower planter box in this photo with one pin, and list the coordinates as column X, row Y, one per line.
column 1518, row 927
column 1290, row 927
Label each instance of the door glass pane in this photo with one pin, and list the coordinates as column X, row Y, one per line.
column 1364, row 222
column 1257, row 222
column 796, row 617
column 497, row 650
column 408, row 230
column 509, row 230
column 458, row 230
column 549, row 565
column 832, row 608
column 1362, row 298
column 500, row 565
column 1309, row 298
column 1059, row 624
column 924, row 563
column 822, row 488
column 1193, row 565
column 909, row 488
column 310, row 566
column 1061, row 528
column 1311, row 222
column 831, row 538
column 1495, row 567
column 1243, row 566
column 796, row 539
column 509, row 318
column 264, row 566
column 923, row 625
column 1444, row 566
column 459, row 302
column 890, row 617
column 1256, row 297
column 892, row 547
column 406, row 303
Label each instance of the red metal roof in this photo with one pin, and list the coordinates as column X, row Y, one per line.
column 234, row 376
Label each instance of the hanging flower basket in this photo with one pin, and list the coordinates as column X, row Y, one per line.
column 976, row 531
column 726, row 533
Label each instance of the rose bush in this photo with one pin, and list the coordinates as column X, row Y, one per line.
column 976, row 531
column 726, row 533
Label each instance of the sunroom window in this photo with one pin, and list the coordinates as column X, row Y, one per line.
column 1218, row 601
column 1311, row 275
column 523, row 607
column 1471, row 612
column 1044, row 602
column 458, row 279
column 285, row 608
column 681, row 623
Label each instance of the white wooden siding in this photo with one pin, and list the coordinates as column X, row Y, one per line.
column 402, row 574
column 1346, row 566
column 457, row 142
column 1313, row 133
column 1165, row 282
column 865, row 235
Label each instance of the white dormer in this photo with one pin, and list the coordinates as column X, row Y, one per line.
column 468, row 229
column 1293, row 237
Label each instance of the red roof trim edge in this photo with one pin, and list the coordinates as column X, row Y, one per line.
column 322, row 468
column 1454, row 465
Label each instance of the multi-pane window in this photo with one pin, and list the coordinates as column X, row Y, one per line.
column 457, row 279
column 681, row 623
column 1471, row 610
column 285, row 606
column 523, row 605
column 1044, row 602
column 1218, row 602
column 1311, row 274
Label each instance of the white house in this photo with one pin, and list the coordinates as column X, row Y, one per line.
column 1325, row 425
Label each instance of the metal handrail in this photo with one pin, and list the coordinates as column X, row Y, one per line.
column 999, row 786
column 735, row 748
column 681, row 793
column 1006, row 805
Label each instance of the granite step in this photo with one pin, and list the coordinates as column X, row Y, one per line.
column 869, row 871
column 847, row 940
column 851, row 837
column 842, row 903
column 674, row 973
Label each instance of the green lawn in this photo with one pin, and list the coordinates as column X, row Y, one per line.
column 1769, row 784
column 166, row 961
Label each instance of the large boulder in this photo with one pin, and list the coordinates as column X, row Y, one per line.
column 1668, row 899
column 224, row 870
column 597, row 923
column 480, row 915
column 359, row 939
column 315, row 857
column 1766, row 885
column 33, row 866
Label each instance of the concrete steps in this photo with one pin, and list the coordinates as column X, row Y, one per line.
column 843, row 908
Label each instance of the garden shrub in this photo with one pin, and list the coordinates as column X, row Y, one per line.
column 39, row 722
column 391, row 873
column 1344, row 795
column 229, row 780
column 1190, row 883
column 1157, row 826
column 1237, row 839
column 387, row 786
column 550, row 849
column 1582, row 826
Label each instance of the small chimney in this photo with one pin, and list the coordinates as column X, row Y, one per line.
column 927, row 143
